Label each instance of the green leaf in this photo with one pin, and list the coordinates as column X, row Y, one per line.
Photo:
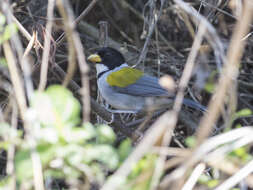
column 141, row 175
column 142, row 185
column 23, row 165
column 47, row 152
column 10, row 134
column 190, row 141
column 243, row 113
column 56, row 107
column 71, row 172
column 5, row 182
column 242, row 153
column 3, row 62
column 89, row 130
column 102, row 153
column 210, row 84
column 10, row 30
column 48, row 135
column 238, row 126
column 212, row 183
column 210, row 87
column 43, row 107
column 124, row 149
column 80, row 134
column 98, row 172
column 65, row 104
column 55, row 173
column 23, row 162
column 146, row 163
column 72, row 153
column 2, row 19
column 105, row 135
column 203, row 179
column 206, row 180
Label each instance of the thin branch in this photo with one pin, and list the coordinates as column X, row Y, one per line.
column 230, row 168
column 189, row 184
column 68, row 27
column 209, row 147
column 20, row 96
column 30, row 45
column 152, row 24
column 23, row 31
column 165, row 123
column 10, row 166
column 76, row 46
column 179, row 99
column 152, row 135
column 16, row 79
column 17, row 82
column 86, row 11
column 229, row 74
column 78, row 19
column 46, row 52
column 235, row 179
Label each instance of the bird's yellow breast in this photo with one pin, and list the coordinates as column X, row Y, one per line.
column 124, row 77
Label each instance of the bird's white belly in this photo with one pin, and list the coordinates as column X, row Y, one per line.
column 119, row 100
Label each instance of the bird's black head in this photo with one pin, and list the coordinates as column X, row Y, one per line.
column 107, row 56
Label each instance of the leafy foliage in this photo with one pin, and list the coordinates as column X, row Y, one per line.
column 6, row 31
column 67, row 149
column 141, row 175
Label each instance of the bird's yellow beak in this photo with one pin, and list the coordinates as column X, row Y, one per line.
column 94, row 58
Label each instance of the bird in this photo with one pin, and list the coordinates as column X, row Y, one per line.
column 126, row 88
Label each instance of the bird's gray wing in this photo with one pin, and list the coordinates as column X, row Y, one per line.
column 145, row 86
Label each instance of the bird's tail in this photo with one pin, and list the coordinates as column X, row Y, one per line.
column 194, row 105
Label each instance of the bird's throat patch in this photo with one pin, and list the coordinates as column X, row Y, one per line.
column 124, row 77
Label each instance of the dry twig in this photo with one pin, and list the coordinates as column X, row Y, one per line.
column 76, row 48
column 46, row 52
